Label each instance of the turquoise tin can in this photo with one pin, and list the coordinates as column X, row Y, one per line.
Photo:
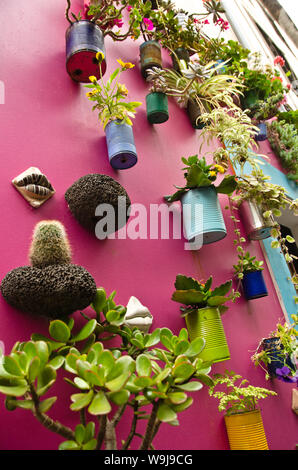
column 202, row 215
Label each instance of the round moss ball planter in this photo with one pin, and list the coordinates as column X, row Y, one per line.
column 255, row 226
column 254, row 286
column 84, row 40
column 150, row 56
column 206, row 323
column 157, row 107
column 88, row 194
column 121, row 146
column 246, row 431
column 262, row 134
column 202, row 215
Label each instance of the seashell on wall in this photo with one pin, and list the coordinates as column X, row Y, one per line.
column 34, row 186
column 137, row 315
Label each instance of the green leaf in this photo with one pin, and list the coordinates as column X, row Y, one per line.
column 190, row 386
column 120, row 397
column 216, row 300
column 153, row 338
column 14, row 390
column 25, row 404
column 183, row 371
column 81, row 383
column 117, row 383
column 89, row 431
column 195, row 347
column 100, row 300
column 81, row 400
column 59, row 331
column 52, row 345
column 186, row 283
column 183, row 406
column 94, row 379
column 223, row 289
column 33, row 369
column 45, row 405
column 106, row 359
column 143, row 365
column 181, row 347
column 68, row 445
column 80, row 433
column 46, row 379
column 142, row 382
column 90, row 445
column 57, row 362
column 165, row 413
column 11, row 366
column 99, row 405
column 188, row 297
column 42, row 352
column 227, row 186
column 86, row 331
column 177, row 397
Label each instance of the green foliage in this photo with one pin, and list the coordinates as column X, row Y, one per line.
column 283, row 138
column 236, row 398
column 155, row 369
column 198, row 175
column 49, row 244
column 266, row 109
column 246, row 263
column 290, row 117
column 195, row 294
column 110, row 98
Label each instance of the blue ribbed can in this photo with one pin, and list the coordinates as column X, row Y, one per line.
column 83, row 40
column 121, row 146
column 254, row 285
column 202, row 215
column 262, row 134
column 279, row 358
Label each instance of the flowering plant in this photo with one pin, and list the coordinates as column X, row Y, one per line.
column 110, row 97
column 198, row 174
column 285, row 351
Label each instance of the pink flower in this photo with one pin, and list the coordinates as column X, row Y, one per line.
column 224, row 25
column 289, row 86
column 86, row 9
column 148, row 23
column 129, row 8
column 118, row 22
column 206, row 22
column 279, row 60
column 195, row 20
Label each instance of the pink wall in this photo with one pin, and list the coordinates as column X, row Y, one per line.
column 47, row 122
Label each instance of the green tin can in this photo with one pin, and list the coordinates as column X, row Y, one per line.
column 157, row 107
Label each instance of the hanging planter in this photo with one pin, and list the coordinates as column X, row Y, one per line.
column 206, row 323
column 84, row 40
column 256, row 227
column 278, row 357
column 120, row 143
column 210, row 225
column 246, row 431
column 194, row 113
column 150, row 56
column 262, row 134
column 249, row 99
column 253, row 284
column 157, row 107
column 181, row 54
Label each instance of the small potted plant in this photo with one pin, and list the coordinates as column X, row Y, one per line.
column 283, row 138
column 200, row 192
column 115, row 113
column 243, row 419
column 249, row 271
column 150, row 49
column 156, row 101
column 203, row 309
column 277, row 354
column 263, row 110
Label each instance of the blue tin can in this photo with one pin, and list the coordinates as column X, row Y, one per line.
column 278, row 357
column 262, row 134
column 202, row 215
column 121, row 147
column 254, row 285
column 83, row 40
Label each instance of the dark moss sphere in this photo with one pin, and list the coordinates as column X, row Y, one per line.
column 88, row 192
column 54, row 291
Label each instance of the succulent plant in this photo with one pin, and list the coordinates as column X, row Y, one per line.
column 49, row 244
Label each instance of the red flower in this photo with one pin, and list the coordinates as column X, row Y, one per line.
column 279, row 60
column 289, row 86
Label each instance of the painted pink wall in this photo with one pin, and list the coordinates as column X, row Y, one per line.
column 47, row 122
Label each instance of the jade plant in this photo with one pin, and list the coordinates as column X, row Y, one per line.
column 195, row 295
column 199, row 174
column 236, row 398
column 110, row 98
column 283, row 138
column 152, row 374
column 284, row 350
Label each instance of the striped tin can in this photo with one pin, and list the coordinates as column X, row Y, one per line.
column 255, row 226
column 253, row 284
column 206, row 323
column 202, row 215
column 246, row 431
column 121, row 147
column 150, row 56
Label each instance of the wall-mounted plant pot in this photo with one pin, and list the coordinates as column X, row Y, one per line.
column 206, row 323
column 157, row 107
column 246, row 431
column 277, row 355
column 211, row 225
column 256, row 227
column 121, row 147
column 83, row 40
column 262, row 134
column 253, row 284
column 249, row 99
column 194, row 113
column 182, row 54
column 150, row 56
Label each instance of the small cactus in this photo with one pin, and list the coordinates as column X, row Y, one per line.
column 49, row 245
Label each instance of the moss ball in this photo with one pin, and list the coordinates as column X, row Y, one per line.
column 54, row 291
column 88, row 192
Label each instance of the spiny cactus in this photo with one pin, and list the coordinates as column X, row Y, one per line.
column 49, row 245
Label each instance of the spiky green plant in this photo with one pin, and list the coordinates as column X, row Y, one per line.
column 49, row 245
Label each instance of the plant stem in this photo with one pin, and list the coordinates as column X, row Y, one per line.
column 133, row 427
column 150, row 428
column 110, row 436
column 102, row 431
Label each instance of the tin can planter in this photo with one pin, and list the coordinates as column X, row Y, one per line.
column 194, row 113
column 262, row 134
column 150, row 56
column 181, row 54
column 83, row 40
column 202, row 215
column 206, row 323
column 157, row 107
column 256, row 227
column 246, row 431
column 121, row 147
column 277, row 355
column 253, row 284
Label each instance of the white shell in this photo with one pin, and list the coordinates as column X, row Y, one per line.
column 137, row 315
